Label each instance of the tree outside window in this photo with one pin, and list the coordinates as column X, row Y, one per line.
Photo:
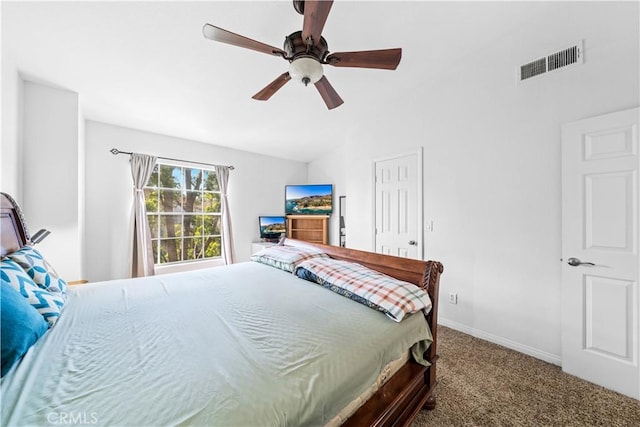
column 183, row 209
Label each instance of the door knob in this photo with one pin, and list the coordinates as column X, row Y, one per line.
column 413, row 243
column 574, row 262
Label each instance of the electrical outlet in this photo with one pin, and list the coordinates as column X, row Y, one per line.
column 453, row 298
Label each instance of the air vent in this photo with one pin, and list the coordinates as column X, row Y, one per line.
column 570, row 56
column 532, row 69
column 563, row 58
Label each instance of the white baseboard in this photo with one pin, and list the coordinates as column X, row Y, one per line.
column 534, row 352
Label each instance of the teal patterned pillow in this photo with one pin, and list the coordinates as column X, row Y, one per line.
column 48, row 304
column 39, row 270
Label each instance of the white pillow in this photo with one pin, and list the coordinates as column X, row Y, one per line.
column 286, row 257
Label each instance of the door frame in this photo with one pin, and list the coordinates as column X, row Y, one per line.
column 420, row 196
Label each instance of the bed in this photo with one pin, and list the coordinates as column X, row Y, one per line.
column 246, row 344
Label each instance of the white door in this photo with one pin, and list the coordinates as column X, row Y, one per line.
column 398, row 206
column 601, row 265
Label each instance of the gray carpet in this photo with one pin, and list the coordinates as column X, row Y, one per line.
column 484, row 384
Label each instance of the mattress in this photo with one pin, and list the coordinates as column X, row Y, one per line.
column 387, row 372
column 245, row 344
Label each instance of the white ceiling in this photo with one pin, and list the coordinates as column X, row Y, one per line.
column 147, row 66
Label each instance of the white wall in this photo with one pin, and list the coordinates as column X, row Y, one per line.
column 11, row 124
column 256, row 187
column 49, row 174
column 492, row 168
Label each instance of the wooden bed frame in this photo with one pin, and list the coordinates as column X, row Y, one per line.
column 411, row 388
column 398, row 401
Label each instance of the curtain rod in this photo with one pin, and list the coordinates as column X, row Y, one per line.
column 115, row 152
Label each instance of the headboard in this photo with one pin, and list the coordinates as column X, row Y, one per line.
column 13, row 232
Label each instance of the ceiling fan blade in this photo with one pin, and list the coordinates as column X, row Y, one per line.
column 223, row 36
column 387, row 59
column 315, row 16
column 328, row 93
column 272, row 87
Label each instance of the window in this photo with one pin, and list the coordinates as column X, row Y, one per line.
column 183, row 209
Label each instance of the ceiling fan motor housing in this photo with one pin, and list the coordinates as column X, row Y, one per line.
column 294, row 46
column 298, row 5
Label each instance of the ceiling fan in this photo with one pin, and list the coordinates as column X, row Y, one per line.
column 307, row 52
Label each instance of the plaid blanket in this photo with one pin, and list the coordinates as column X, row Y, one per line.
column 394, row 297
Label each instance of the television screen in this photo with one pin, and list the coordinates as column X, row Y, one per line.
column 310, row 199
column 271, row 227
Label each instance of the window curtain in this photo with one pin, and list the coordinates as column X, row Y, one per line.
column 142, row 262
column 227, row 236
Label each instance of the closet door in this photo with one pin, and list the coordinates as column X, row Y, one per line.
column 398, row 206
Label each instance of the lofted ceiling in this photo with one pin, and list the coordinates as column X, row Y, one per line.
column 146, row 65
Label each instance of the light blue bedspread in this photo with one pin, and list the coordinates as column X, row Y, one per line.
column 241, row 345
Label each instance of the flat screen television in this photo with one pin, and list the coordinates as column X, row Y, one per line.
column 271, row 227
column 308, row 199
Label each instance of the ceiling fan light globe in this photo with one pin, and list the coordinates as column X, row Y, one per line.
column 306, row 70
